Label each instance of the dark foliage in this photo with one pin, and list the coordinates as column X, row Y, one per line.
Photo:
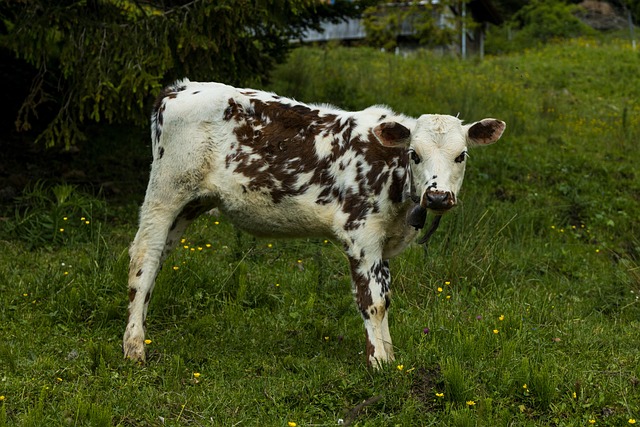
column 103, row 60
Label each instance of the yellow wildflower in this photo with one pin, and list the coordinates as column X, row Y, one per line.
column 632, row 421
column 495, row 331
column 147, row 342
column 592, row 421
column 196, row 375
column 439, row 289
column 439, row 394
column 501, row 318
column 291, row 424
column 470, row 402
column 400, row 367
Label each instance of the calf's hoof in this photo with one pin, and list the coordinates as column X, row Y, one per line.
column 377, row 362
column 134, row 350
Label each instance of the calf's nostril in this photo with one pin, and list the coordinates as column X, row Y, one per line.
column 439, row 200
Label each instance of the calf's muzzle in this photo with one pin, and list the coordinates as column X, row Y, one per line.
column 438, row 201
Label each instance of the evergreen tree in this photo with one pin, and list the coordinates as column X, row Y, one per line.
column 103, row 60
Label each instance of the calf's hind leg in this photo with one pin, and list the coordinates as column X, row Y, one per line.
column 162, row 222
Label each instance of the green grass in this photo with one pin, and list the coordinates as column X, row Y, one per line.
column 534, row 280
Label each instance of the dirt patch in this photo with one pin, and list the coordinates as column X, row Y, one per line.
column 426, row 383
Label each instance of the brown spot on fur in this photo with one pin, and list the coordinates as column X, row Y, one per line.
column 147, row 297
column 132, row 294
column 361, row 289
column 168, row 92
column 382, row 275
column 159, row 106
column 233, row 111
column 370, row 349
column 139, row 273
column 396, row 189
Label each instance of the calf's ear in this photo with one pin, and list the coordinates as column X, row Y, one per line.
column 392, row 134
column 485, row 132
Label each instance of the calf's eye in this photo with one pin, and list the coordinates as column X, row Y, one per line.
column 414, row 157
column 461, row 157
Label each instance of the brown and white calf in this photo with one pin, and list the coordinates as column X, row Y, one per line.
column 278, row 167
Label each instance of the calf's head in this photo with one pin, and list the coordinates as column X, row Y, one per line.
column 437, row 149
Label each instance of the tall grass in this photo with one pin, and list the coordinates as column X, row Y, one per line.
column 523, row 310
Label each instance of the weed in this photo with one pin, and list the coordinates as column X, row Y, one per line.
column 51, row 216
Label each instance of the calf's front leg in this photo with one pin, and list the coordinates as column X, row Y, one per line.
column 371, row 281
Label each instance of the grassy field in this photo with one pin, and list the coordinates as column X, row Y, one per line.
column 523, row 311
